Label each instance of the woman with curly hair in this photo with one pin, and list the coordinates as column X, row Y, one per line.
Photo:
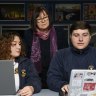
column 5, row 44
column 12, row 49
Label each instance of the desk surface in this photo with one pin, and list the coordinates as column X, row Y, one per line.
column 46, row 92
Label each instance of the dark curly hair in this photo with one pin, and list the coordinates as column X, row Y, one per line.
column 5, row 45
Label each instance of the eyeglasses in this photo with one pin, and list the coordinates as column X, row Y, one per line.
column 42, row 19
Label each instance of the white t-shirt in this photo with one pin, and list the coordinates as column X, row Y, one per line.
column 16, row 75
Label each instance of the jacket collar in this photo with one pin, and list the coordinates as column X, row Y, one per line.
column 20, row 59
column 80, row 51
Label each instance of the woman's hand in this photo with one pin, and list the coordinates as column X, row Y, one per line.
column 65, row 88
column 26, row 91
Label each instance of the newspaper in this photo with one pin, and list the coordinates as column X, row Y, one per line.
column 82, row 83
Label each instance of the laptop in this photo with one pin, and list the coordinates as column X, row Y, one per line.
column 82, row 83
column 7, row 80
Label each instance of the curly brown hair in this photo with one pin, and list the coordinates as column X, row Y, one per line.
column 5, row 45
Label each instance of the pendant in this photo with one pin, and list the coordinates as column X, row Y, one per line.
column 91, row 67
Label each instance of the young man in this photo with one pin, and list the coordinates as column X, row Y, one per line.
column 79, row 56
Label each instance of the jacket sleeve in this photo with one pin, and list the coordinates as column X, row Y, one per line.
column 32, row 77
column 55, row 76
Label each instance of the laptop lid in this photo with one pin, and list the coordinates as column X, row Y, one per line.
column 82, row 83
column 7, row 80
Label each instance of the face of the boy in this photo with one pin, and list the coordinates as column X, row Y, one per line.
column 80, row 38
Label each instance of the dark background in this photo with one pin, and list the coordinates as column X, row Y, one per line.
column 15, row 14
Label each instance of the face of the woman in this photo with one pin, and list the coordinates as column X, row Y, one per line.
column 16, row 47
column 43, row 21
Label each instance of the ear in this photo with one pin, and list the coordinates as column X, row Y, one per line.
column 90, row 37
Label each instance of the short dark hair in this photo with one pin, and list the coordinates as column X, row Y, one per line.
column 80, row 25
column 36, row 12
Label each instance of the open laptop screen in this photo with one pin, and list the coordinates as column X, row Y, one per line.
column 82, row 83
column 7, row 80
